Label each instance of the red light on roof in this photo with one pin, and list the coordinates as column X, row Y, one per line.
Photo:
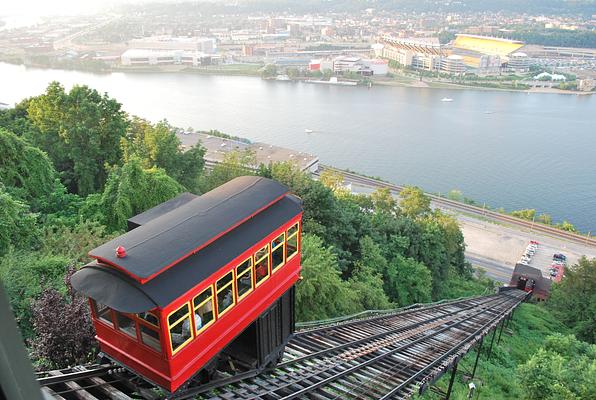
column 120, row 252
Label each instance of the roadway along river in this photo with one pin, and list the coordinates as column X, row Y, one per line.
column 514, row 150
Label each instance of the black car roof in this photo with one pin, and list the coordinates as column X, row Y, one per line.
column 164, row 241
column 121, row 292
column 159, row 210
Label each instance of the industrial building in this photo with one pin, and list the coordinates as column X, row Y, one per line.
column 217, row 147
column 196, row 44
column 453, row 64
column 342, row 64
column 140, row 57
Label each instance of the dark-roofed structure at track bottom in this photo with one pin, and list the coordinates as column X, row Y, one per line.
column 390, row 355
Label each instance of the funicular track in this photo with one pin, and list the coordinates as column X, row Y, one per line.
column 393, row 355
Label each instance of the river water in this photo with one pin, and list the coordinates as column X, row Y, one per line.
column 508, row 149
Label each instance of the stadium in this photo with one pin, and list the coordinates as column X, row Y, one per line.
column 489, row 54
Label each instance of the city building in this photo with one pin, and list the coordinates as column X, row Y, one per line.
column 199, row 44
column 134, row 57
column 453, row 64
column 346, row 64
column 420, row 53
column 518, row 62
column 377, row 66
column 217, row 147
column 487, row 54
column 586, row 85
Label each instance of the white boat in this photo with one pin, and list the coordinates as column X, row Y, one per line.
column 446, row 99
column 308, row 130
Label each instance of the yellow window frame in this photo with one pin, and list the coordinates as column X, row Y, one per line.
column 194, row 310
column 295, row 234
column 248, row 270
column 282, row 243
column 266, row 247
column 192, row 331
column 232, row 281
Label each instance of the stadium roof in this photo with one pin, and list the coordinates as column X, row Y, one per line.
column 487, row 45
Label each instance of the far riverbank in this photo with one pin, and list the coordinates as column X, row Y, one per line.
column 254, row 70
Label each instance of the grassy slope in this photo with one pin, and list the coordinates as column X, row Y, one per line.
column 496, row 379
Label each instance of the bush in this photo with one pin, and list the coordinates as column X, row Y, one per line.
column 64, row 334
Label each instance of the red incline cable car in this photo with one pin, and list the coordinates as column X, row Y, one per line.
column 197, row 280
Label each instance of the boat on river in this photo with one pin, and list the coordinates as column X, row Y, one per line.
column 446, row 100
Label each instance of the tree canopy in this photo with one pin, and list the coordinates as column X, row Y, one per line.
column 25, row 170
column 81, row 132
column 574, row 299
column 130, row 190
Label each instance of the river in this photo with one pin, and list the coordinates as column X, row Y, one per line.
column 508, row 149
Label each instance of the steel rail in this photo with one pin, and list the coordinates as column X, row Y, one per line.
column 383, row 377
column 73, row 376
column 439, row 359
column 483, row 309
column 380, row 357
column 249, row 374
column 378, row 335
column 586, row 240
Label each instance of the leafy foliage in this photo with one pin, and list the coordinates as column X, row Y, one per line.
column 158, row 146
column 574, row 299
column 81, row 131
column 233, row 165
column 413, row 202
column 64, row 334
column 130, row 190
column 25, row 276
column 17, row 224
column 322, row 293
column 564, row 368
column 25, row 170
column 528, row 214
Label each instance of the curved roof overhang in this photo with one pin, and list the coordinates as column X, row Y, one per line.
column 111, row 288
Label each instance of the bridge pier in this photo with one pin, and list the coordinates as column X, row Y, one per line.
column 501, row 331
column 479, row 350
column 453, row 372
column 490, row 350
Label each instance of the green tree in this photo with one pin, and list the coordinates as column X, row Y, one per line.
column 158, row 146
column 408, row 281
column 545, row 219
column 293, row 72
column 455, row 195
column 233, row 165
column 367, row 285
column 81, row 132
column 130, row 190
column 18, row 226
column 269, row 71
column 528, row 214
column 573, row 300
column 334, row 180
column 564, row 368
column 25, row 170
column 566, row 226
column 25, row 276
column 383, row 201
column 414, row 202
column 17, row 120
column 322, row 293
